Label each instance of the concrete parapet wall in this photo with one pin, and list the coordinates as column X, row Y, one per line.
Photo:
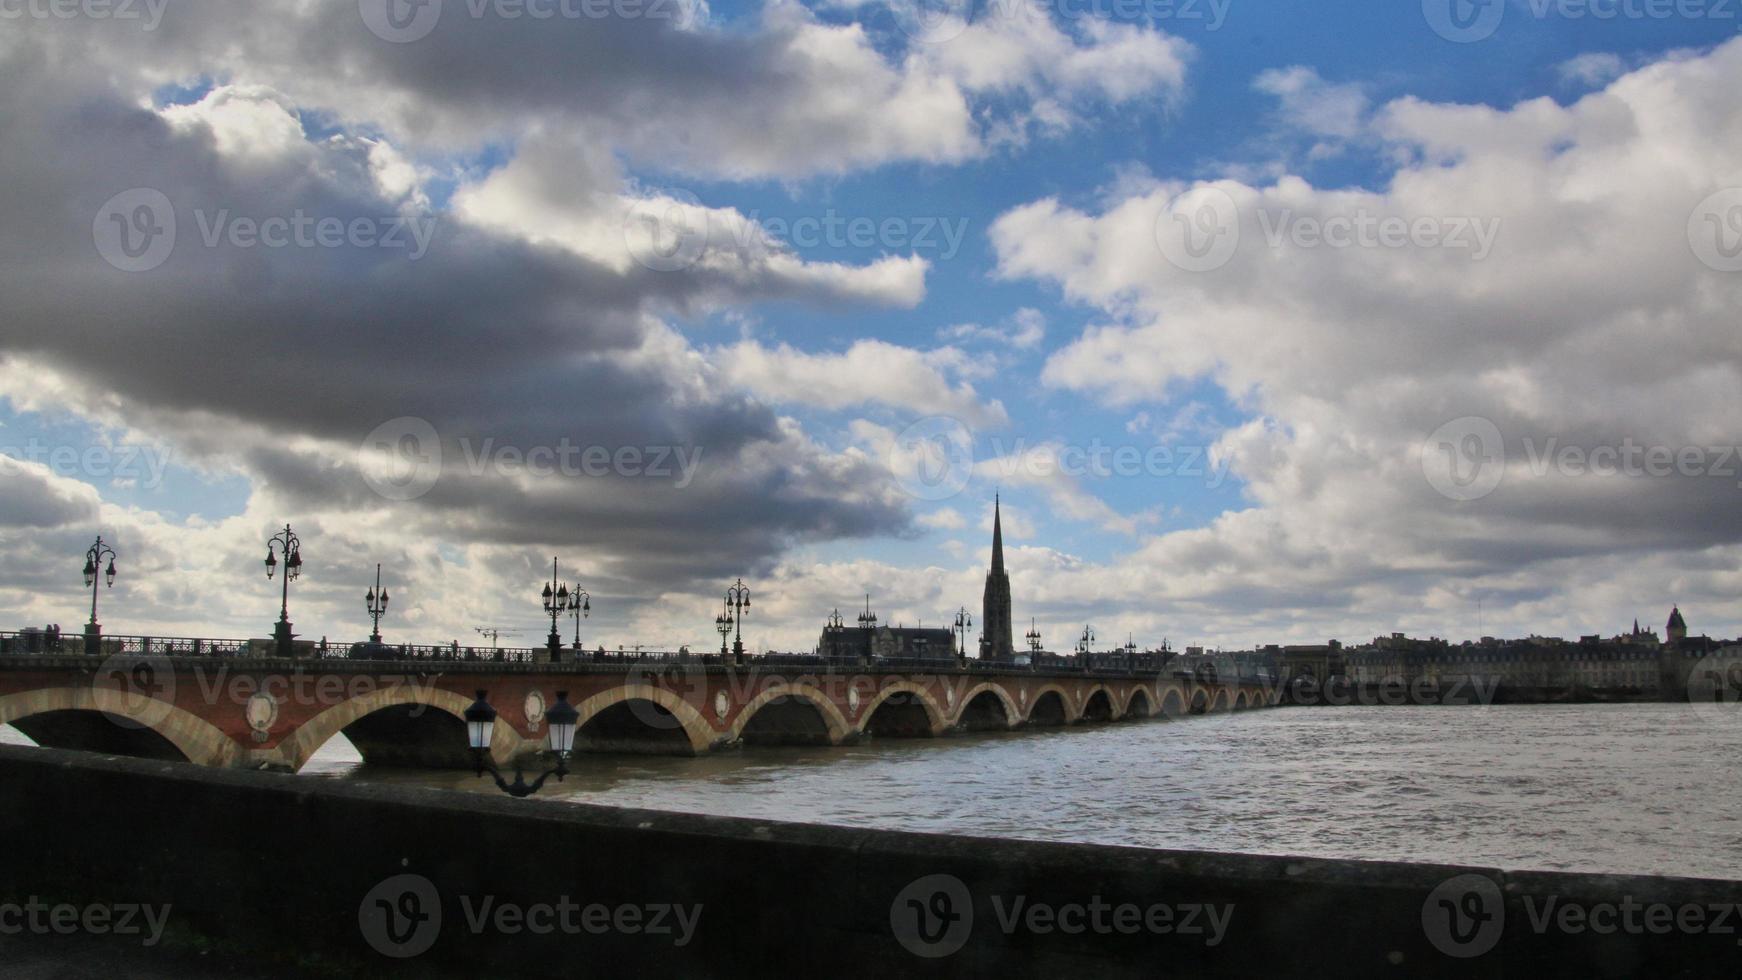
column 305, row 872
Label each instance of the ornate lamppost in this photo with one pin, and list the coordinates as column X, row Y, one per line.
column 376, row 603
column 93, row 563
column 581, row 607
column 738, row 601
column 723, row 624
column 963, row 622
column 481, row 727
column 290, row 546
column 556, row 602
column 1087, row 639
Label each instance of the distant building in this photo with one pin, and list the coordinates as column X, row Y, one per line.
column 996, row 642
column 1677, row 630
column 868, row 641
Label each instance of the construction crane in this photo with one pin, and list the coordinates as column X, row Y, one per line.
column 495, row 633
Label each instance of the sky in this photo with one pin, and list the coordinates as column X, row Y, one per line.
column 1267, row 322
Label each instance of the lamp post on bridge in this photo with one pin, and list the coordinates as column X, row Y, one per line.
column 376, row 603
column 1033, row 637
column 723, row 624
column 963, row 622
column 1085, row 642
column 93, row 565
column 288, row 544
column 580, row 607
column 738, row 602
column 560, row 741
column 556, row 602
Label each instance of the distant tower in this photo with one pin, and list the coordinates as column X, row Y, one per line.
column 1677, row 630
column 995, row 641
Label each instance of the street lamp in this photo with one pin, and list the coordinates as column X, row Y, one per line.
column 560, row 740
column 376, row 603
column 580, row 605
column 963, row 621
column 93, row 560
column 1033, row 637
column 723, row 623
column 288, row 544
column 1087, row 639
column 738, row 601
column 556, row 602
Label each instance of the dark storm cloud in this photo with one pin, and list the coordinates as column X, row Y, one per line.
column 249, row 352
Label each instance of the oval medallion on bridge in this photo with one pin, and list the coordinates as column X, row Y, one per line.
column 852, row 699
column 722, row 704
column 534, row 708
column 261, row 712
column 949, row 697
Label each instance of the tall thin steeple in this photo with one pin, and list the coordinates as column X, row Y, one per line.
column 997, row 535
column 996, row 642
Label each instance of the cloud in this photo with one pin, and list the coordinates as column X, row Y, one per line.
column 1023, row 330
column 871, row 372
column 1313, row 105
column 1591, row 322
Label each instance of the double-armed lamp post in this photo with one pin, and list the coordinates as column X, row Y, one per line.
column 560, row 721
column 376, row 602
column 559, row 601
column 963, row 623
column 93, row 565
column 737, row 607
column 286, row 543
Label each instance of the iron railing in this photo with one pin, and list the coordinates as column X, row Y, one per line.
column 48, row 642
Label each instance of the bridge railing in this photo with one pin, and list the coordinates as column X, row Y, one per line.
column 48, row 642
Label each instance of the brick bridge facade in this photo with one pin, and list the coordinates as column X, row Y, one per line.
column 264, row 713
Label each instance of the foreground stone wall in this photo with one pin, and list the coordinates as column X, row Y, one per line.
column 293, row 872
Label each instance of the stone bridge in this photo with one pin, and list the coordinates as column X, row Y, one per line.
column 266, row 713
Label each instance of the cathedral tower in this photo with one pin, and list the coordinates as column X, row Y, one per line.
column 995, row 641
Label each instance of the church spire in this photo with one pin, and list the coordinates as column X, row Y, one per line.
column 997, row 535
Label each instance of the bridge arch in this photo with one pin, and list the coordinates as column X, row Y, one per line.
column 987, row 707
column 907, row 721
column 794, row 725
column 195, row 739
column 1138, row 704
column 1241, row 703
column 1220, row 702
column 1173, row 703
column 620, row 718
column 435, row 736
column 1098, row 705
column 1050, row 706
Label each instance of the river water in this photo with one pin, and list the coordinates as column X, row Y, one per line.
column 1646, row 789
